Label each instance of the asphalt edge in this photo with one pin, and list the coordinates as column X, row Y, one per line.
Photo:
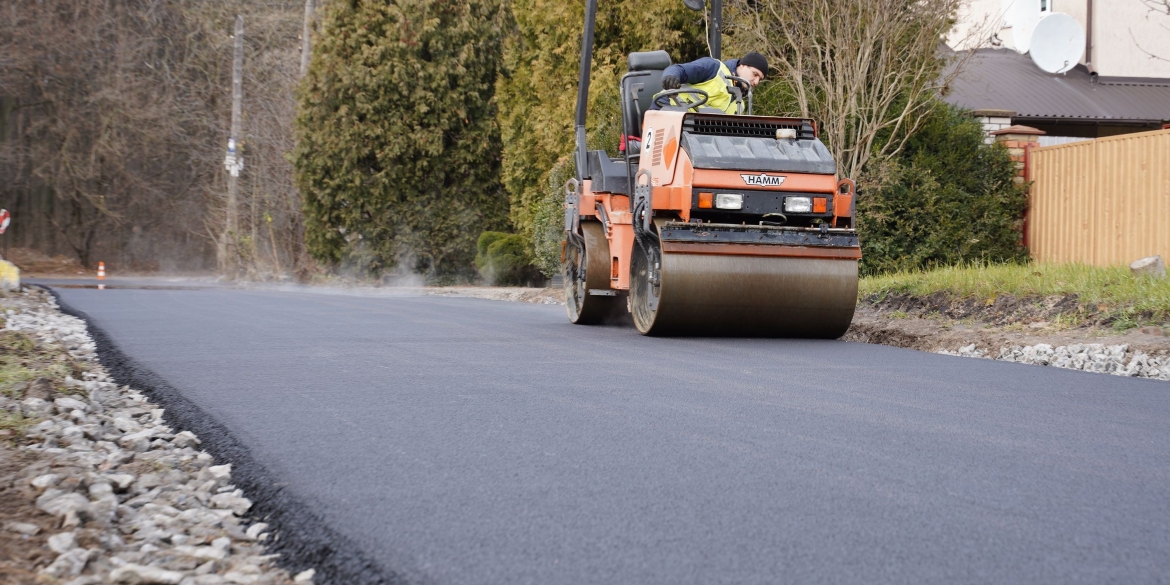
column 302, row 539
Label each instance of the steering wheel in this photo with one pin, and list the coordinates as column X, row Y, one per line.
column 670, row 102
column 742, row 83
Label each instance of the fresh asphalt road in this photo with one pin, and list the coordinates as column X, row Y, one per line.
column 465, row 441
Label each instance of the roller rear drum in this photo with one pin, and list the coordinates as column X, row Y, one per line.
column 602, row 305
column 726, row 294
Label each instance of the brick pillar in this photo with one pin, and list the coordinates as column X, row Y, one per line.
column 1019, row 140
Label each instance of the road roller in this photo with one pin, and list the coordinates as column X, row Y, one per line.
column 706, row 223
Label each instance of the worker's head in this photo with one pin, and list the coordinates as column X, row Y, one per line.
column 753, row 67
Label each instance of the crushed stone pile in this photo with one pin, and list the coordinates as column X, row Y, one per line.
column 134, row 501
column 1117, row 360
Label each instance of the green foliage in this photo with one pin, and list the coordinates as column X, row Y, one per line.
column 503, row 259
column 549, row 219
column 23, row 360
column 538, row 91
column 398, row 153
column 947, row 198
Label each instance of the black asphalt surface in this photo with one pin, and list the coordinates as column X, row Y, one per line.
column 465, row 441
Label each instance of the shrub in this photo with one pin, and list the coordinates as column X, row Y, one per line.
column 504, row 259
column 398, row 143
column 947, row 198
column 549, row 219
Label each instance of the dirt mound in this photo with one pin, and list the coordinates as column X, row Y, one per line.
column 940, row 322
column 31, row 261
column 999, row 310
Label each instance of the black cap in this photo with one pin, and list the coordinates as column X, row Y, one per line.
column 754, row 59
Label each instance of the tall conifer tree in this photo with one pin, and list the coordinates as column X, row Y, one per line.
column 539, row 88
column 398, row 154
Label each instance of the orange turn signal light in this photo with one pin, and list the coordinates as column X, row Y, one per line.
column 820, row 204
column 705, row 200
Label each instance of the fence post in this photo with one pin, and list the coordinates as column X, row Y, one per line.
column 1019, row 140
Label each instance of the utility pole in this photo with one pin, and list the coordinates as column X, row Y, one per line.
column 234, row 162
column 305, row 37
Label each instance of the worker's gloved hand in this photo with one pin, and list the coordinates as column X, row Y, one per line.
column 671, row 82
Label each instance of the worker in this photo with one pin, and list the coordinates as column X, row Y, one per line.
column 711, row 76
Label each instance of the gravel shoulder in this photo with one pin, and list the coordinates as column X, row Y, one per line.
column 96, row 486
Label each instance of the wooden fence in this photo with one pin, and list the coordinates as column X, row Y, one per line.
column 1101, row 202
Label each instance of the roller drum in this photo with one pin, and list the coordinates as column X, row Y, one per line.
column 583, row 304
column 739, row 295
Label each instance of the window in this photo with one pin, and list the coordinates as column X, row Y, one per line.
column 1045, row 5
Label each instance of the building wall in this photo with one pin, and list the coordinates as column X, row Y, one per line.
column 1125, row 32
column 977, row 21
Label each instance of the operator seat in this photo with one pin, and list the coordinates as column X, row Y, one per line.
column 638, row 89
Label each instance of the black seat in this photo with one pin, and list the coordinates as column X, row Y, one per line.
column 639, row 87
column 608, row 175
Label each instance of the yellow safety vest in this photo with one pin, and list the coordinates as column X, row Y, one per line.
column 718, row 93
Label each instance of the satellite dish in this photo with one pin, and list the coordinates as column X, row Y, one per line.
column 1057, row 43
column 1022, row 16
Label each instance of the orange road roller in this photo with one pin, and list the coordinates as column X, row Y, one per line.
column 707, row 223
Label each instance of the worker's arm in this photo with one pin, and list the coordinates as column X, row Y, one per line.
column 696, row 71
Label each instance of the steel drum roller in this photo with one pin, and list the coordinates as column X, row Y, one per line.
column 711, row 294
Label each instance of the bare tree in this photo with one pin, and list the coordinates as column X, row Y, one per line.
column 1159, row 7
column 868, row 71
column 113, row 116
column 270, row 227
column 98, row 125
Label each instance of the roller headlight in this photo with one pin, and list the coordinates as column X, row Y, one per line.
column 797, row 204
column 729, row 201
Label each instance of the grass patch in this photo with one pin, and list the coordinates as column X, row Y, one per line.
column 1128, row 300
column 13, row 425
column 22, row 360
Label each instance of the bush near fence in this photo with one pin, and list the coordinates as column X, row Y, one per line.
column 947, row 198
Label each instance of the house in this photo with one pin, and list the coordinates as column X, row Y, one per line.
column 1120, row 84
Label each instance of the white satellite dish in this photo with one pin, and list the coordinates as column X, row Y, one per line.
column 1057, row 43
column 1022, row 16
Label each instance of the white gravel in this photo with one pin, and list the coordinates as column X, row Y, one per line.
column 1117, row 360
column 113, row 473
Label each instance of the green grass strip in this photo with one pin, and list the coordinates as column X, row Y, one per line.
column 1112, row 286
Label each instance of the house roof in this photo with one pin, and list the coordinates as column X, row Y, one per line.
column 1002, row 79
